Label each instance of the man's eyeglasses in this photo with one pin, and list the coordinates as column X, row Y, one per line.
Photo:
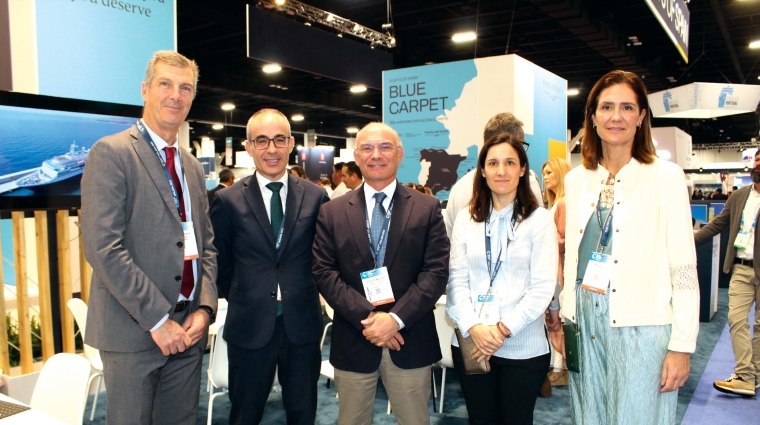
column 367, row 150
column 262, row 143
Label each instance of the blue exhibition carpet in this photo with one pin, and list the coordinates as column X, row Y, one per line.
column 708, row 406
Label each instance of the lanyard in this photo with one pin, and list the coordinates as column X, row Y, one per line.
column 375, row 248
column 492, row 274
column 148, row 139
column 604, row 238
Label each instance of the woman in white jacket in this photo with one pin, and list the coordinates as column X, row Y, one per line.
column 630, row 265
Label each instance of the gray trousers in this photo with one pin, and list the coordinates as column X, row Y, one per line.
column 147, row 387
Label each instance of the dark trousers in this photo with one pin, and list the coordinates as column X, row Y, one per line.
column 505, row 395
column 251, row 374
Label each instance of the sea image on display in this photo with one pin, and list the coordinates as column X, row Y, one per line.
column 43, row 152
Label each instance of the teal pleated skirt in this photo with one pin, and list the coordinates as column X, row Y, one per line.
column 621, row 370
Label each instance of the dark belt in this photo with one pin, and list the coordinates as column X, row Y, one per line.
column 744, row 262
column 181, row 306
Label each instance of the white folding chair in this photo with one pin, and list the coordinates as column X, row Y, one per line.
column 61, row 389
column 445, row 328
column 218, row 372
column 214, row 331
column 79, row 309
column 326, row 369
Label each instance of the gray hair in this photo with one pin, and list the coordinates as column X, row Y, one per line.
column 173, row 59
column 501, row 123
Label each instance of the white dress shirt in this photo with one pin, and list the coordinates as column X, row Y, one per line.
column 523, row 286
column 266, row 194
column 160, row 145
column 749, row 213
column 369, row 198
column 339, row 190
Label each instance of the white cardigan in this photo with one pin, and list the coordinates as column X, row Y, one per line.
column 654, row 275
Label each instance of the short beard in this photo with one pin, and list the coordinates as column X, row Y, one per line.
column 755, row 175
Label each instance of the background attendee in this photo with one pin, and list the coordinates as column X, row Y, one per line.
column 340, row 188
column 264, row 229
column 352, row 175
column 325, row 182
column 637, row 310
column 461, row 192
column 718, row 195
column 498, row 290
column 226, row 178
column 298, row 171
column 554, row 172
column 396, row 341
column 153, row 284
column 428, row 191
column 741, row 215
column 419, row 188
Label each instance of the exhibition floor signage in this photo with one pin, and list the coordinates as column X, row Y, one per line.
column 440, row 112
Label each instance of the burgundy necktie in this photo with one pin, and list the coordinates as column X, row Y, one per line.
column 187, row 273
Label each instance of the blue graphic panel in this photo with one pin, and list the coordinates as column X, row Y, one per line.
column 99, row 49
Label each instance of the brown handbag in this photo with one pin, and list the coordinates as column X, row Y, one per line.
column 471, row 366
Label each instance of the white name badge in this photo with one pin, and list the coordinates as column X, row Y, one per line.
column 377, row 286
column 191, row 247
column 487, row 306
column 597, row 277
column 742, row 240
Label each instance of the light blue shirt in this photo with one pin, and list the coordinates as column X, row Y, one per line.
column 369, row 194
column 160, row 145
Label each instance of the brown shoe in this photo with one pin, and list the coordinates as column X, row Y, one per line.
column 546, row 388
column 558, row 379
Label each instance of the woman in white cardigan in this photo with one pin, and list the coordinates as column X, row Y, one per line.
column 499, row 298
column 630, row 265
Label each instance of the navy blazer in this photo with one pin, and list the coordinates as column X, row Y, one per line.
column 250, row 267
column 417, row 258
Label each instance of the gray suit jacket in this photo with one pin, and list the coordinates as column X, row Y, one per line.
column 133, row 239
column 730, row 216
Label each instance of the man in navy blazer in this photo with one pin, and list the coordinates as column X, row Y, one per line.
column 395, row 340
column 264, row 229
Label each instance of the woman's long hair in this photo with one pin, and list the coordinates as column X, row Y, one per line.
column 559, row 168
column 480, row 204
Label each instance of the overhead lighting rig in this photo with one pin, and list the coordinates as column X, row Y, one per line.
column 343, row 26
column 718, row 146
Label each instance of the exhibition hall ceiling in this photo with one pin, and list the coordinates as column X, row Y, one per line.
column 579, row 40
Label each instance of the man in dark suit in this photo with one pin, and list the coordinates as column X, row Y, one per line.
column 148, row 238
column 740, row 215
column 264, row 227
column 383, row 325
column 226, row 178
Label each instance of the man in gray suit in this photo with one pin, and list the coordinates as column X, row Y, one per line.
column 264, row 226
column 741, row 215
column 148, row 238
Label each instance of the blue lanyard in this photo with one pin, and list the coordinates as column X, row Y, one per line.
column 492, row 274
column 148, row 139
column 607, row 228
column 375, row 248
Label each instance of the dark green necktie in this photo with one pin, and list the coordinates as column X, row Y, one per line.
column 275, row 211
column 275, row 208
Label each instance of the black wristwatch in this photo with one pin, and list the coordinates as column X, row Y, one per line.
column 211, row 313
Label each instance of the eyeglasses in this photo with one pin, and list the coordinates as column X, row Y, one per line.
column 526, row 145
column 262, row 143
column 367, row 150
